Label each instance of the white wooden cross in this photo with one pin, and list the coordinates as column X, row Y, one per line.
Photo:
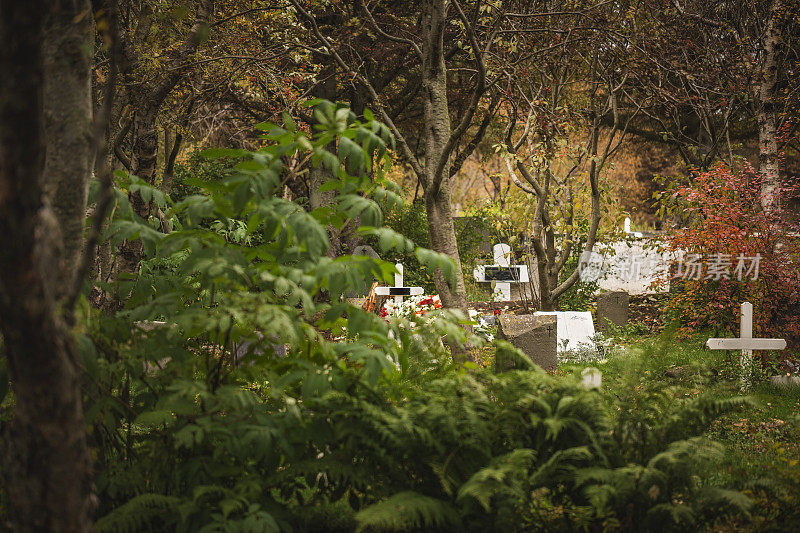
column 398, row 290
column 502, row 272
column 746, row 343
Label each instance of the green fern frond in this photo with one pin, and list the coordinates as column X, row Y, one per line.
column 686, row 452
column 560, row 465
column 488, row 481
column 664, row 514
column 407, row 510
column 716, row 498
column 140, row 513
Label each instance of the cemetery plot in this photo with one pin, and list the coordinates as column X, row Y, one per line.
column 398, row 290
column 534, row 335
column 746, row 343
column 502, row 273
column 612, row 308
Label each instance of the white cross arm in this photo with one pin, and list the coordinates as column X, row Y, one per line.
column 398, row 291
column 746, row 344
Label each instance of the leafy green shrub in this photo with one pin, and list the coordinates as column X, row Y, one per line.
column 200, row 425
column 196, row 168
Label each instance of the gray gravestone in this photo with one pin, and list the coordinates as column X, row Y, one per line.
column 535, row 336
column 785, row 381
column 367, row 250
column 612, row 307
column 241, row 349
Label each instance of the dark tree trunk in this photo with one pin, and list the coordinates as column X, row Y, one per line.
column 436, row 136
column 319, row 175
column 68, row 121
column 45, row 460
column 143, row 166
column 443, row 240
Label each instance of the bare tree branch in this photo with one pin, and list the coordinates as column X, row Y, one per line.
column 407, row 153
column 392, row 38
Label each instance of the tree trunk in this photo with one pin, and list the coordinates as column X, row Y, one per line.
column 147, row 100
column 437, row 133
column 320, row 174
column 68, row 122
column 45, row 460
column 443, row 240
column 766, row 114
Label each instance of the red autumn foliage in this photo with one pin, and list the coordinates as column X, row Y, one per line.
column 723, row 224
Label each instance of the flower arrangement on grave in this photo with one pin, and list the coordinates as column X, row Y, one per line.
column 412, row 307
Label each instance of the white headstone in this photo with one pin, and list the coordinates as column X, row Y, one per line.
column 502, row 257
column 502, row 254
column 398, row 282
column 575, row 329
column 627, row 225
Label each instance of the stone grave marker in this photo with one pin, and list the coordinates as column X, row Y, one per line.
column 591, row 378
column 536, row 336
column 502, row 272
column 785, row 381
column 612, row 307
column 367, row 250
column 575, row 329
column 398, row 290
column 241, row 349
column 353, row 297
column 627, row 229
column 746, row 343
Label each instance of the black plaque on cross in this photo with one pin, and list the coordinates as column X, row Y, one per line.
column 399, row 291
column 501, row 273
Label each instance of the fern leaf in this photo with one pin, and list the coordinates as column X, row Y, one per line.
column 406, row 510
column 140, row 511
column 488, row 481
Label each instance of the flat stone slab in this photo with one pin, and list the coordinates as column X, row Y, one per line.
column 535, row 336
column 785, row 381
column 575, row 329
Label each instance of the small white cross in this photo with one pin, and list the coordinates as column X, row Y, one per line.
column 398, row 290
column 746, row 343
